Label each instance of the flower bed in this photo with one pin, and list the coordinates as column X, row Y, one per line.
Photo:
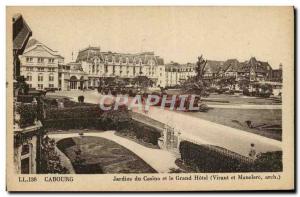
column 96, row 155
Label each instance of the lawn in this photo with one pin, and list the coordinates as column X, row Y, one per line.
column 101, row 156
column 240, row 99
column 265, row 122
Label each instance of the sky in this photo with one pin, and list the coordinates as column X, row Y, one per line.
column 177, row 34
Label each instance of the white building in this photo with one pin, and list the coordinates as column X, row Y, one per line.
column 39, row 65
column 99, row 65
column 176, row 73
column 72, row 77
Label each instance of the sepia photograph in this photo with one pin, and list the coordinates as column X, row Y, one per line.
column 150, row 98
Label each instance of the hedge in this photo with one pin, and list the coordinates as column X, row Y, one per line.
column 74, row 112
column 52, row 102
column 269, row 162
column 86, row 117
column 141, row 131
column 205, row 158
column 28, row 114
column 25, row 98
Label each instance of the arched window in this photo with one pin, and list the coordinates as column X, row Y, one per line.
column 73, row 82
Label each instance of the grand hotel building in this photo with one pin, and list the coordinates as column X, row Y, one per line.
column 99, row 65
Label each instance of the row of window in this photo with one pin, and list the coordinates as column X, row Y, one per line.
column 112, row 60
column 40, row 60
column 40, row 69
column 127, row 69
column 41, row 86
column 40, row 77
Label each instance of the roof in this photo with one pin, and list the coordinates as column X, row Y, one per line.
column 21, row 32
column 16, row 16
column 214, row 66
column 233, row 65
column 257, row 66
column 174, row 65
column 89, row 54
column 33, row 43
column 75, row 66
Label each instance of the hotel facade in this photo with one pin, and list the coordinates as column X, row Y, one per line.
column 100, row 65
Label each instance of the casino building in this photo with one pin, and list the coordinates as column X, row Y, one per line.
column 39, row 65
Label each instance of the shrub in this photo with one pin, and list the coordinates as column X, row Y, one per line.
column 203, row 107
column 246, row 92
column 25, row 98
column 74, row 112
column 81, row 99
column 222, row 90
column 28, row 114
column 86, row 117
column 123, row 91
column 106, row 91
column 269, row 162
column 212, row 90
column 207, row 158
column 50, row 160
column 141, row 131
column 231, row 92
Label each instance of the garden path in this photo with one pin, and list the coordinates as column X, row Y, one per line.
column 197, row 129
column 243, row 106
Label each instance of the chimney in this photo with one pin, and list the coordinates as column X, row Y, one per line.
column 280, row 66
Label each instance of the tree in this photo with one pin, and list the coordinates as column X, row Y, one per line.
column 115, row 81
column 21, row 87
column 227, row 81
column 143, row 81
column 196, row 85
column 50, row 159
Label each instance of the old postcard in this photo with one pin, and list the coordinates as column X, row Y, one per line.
column 150, row 98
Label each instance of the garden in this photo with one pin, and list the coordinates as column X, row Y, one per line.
column 96, row 155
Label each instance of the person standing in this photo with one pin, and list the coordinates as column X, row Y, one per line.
column 252, row 152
